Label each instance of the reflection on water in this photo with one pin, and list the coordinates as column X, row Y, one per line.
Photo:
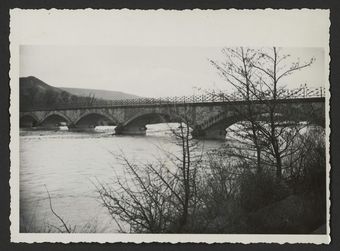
column 69, row 163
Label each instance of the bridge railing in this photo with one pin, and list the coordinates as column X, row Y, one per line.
column 209, row 97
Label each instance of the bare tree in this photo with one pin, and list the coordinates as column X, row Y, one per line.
column 238, row 71
column 256, row 75
column 156, row 197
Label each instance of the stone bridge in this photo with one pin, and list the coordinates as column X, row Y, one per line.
column 208, row 119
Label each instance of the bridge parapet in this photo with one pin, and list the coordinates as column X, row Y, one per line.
column 209, row 97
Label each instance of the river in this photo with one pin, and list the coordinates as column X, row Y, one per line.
column 68, row 164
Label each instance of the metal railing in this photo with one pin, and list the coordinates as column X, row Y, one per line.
column 209, row 97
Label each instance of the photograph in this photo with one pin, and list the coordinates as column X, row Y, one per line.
column 208, row 140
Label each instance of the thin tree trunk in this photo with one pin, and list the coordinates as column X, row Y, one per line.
column 251, row 116
column 186, row 177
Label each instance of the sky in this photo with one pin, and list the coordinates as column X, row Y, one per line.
column 148, row 71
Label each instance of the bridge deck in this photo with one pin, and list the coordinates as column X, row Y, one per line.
column 209, row 99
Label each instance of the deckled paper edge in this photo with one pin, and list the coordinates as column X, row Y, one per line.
column 141, row 238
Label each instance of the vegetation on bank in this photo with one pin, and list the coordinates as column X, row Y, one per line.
column 214, row 194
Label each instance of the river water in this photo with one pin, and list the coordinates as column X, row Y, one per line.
column 69, row 164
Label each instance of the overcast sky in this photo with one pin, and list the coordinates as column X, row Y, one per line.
column 145, row 71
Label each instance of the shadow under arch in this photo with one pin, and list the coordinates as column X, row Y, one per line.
column 54, row 119
column 93, row 119
column 28, row 120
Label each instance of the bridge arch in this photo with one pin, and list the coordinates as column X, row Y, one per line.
column 28, row 120
column 216, row 128
column 54, row 118
column 136, row 125
column 94, row 118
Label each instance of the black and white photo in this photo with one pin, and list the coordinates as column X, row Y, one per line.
column 207, row 130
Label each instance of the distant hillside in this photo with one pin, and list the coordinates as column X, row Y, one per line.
column 31, row 86
column 36, row 93
column 100, row 94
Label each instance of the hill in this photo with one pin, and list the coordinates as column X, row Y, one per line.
column 100, row 94
column 35, row 93
column 31, row 86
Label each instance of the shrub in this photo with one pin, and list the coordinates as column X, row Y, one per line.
column 259, row 190
column 308, row 174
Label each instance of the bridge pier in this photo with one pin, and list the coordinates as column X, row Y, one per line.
column 218, row 134
column 81, row 128
column 47, row 127
column 27, row 121
column 27, row 124
column 130, row 130
column 215, row 134
column 198, row 133
column 89, row 126
column 50, row 126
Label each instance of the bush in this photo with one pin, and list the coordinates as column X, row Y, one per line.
column 308, row 175
column 259, row 190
